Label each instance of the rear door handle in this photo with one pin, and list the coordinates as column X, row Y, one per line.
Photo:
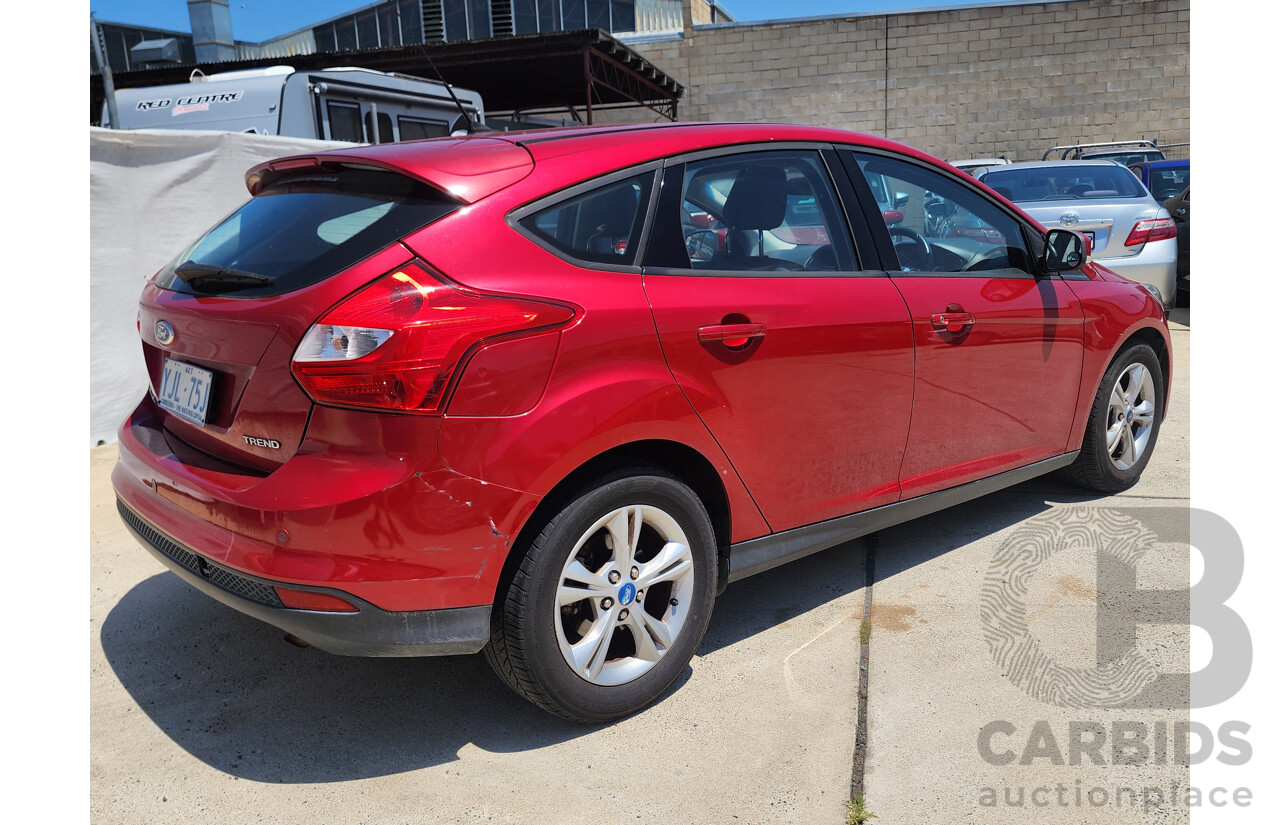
column 733, row 335
column 953, row 322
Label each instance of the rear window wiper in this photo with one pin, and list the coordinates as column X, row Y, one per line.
column 211, row 275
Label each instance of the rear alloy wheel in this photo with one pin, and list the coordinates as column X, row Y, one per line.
column 620, row 594
column 1123, row 423
column 610, row 602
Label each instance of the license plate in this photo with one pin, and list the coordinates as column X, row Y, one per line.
column 1089, row 235
column 185, row 390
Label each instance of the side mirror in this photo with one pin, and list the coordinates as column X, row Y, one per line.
column 900, row 199
column 1065, row 251
column 892, row 217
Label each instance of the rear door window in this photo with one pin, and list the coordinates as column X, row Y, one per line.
column 302, row 230
column 753, row 212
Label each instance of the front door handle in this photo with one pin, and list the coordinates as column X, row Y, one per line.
column 731, row 335
column 953, row 322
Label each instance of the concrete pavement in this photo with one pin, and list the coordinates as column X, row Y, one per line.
column 201, row 714
column 935, row 685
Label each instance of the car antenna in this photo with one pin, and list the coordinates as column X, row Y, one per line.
column 472, row 126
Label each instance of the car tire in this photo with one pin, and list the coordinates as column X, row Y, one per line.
column 1124, row 422
column 644, row 607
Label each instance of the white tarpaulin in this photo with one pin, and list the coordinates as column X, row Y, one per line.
column 151, row 193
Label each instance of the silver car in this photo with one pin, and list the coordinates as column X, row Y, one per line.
column 1132, row 235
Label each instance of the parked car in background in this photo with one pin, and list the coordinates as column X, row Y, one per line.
column 1179, row 208
column 512, row 393
column 1123, row 152
column 975, row 166
column 1164, row 179
column 1130, row 233
column 1124, row 158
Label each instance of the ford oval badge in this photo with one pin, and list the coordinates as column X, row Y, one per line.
column 164, row 333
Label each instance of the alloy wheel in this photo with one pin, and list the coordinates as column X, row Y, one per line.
column 624, row 594
column 1130, row 416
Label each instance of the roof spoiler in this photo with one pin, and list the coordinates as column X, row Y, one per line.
column 466, row 169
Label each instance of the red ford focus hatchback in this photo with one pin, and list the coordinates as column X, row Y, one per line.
column 547, row 394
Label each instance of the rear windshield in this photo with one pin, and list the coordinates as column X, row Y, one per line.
column 302, row 230
column 1065, row 182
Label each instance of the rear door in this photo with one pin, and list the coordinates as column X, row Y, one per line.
column 798, row 360
column 998, row 350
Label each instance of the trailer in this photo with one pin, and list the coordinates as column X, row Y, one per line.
column 341, row 103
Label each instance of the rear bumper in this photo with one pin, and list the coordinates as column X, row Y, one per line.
column 370, row 631
column 1156, row 264
column 389, row 525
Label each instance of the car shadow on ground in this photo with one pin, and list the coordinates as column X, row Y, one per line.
column 229, row 690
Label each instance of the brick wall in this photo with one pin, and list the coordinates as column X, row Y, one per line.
column 1001, row 80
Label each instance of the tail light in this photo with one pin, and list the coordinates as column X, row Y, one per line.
column 397, row 343
column 1152, row 229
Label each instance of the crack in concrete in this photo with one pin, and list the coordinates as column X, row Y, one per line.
column 864, row 673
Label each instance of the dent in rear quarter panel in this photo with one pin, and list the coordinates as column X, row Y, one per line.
column 609, row 386
column 1114, row 310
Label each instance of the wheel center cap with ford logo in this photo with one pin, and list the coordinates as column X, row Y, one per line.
column 627, row 594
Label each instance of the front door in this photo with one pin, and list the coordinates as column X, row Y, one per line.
column 998, row 350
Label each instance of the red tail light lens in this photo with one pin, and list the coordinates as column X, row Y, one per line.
column 397, row 343
column 1152, row 229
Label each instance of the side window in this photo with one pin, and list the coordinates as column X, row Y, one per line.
column 601, row 226
column 385, row 134
column 756, row 212
column 344, row 122
column 938, row 225
column 1167, row 183
column 411, row 128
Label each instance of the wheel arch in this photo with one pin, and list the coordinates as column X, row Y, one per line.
column 678, row 460
column 1152, row 337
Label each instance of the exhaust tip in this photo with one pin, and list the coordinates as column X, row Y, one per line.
column 295, row 641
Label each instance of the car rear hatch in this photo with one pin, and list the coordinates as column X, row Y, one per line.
column 220, row 324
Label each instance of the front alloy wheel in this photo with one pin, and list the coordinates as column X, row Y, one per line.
column 1131, row 416
column 1124, row 422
